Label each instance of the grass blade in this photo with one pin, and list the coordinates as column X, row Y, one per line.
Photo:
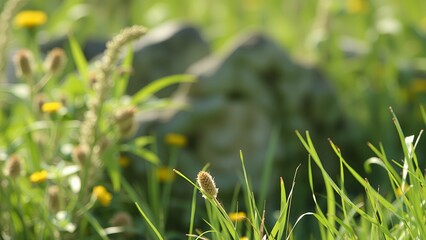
column 78, row 56
column 153, row 228
column 149, row 90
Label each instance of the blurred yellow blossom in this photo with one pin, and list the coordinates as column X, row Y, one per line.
column 102, row 195
column 29, row 19
column 237, row 216
column 356, row 6
column 124, row 161
column 177, row 140
column 401, row 190
column 50, row 107
column 165, row 174
column 418, row 86
column 38, row 177
column 244, row 238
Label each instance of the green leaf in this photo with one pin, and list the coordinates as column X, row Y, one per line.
column 96, row 225
column 148, row 155
column 110, row 159
column 149, row 90
column 126, row 66
column 74, row 85
column 143, row 141
column 78, row 56
column 141, row 152
column 280, row 224
column 268, row 163
column 151, row 225
column 371, row 161
column 423, row 111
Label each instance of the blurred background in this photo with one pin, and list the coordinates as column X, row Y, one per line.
column 337, row 66
column 371, row 51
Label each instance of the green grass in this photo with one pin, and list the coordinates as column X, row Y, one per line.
column 389, row 73
column 396, row 215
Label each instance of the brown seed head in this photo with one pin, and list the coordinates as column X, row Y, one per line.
column 122, row 219
column 206, row 183
column 13, row 167
column 80, row 154
column 23, row 60
column 125, row 119
column 53, row 193
column 102, row 145
column 55, row 60
column 125, row 114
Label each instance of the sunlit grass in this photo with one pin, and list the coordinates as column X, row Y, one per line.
column 55, row 187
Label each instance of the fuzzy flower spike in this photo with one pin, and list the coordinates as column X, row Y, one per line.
column 207, row 185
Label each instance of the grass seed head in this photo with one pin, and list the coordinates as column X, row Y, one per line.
column 24, row 63
column 207, row 185
column 13, row 167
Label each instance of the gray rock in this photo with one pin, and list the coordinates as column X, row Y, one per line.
column 166, row 50
column 240, row 98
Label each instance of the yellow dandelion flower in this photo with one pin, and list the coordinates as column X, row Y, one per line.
column 244, row 238
column 124, row 161
column 401, row 190
column 30, row 19
column 38, row 177
column 50, row 107
column 237, row 216
column 102, row 195
column 165, row 174
column 177, row 140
